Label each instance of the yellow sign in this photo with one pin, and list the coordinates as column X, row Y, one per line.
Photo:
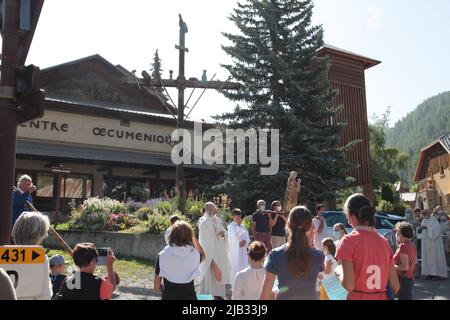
column 22, row 255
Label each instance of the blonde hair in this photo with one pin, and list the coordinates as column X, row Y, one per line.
column 31, row 228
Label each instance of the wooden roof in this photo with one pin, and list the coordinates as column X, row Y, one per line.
column 114, row 76
column 332, row 50
column 443, row 141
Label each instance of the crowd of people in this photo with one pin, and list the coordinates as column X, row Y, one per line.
column 293, row 254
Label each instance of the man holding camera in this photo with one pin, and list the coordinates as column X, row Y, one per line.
column 84, row 284
column 21, row 195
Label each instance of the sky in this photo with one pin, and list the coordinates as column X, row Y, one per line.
column 410, row 37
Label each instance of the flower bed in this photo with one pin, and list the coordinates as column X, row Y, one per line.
column 151, row 217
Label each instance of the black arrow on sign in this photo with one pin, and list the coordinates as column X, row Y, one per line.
column 35, row 255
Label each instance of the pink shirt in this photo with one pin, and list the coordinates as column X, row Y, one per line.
column 409, row 249
column 372, row 258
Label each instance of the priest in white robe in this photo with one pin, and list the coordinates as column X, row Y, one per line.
column 433, row 254
column 215, row 269
column 238, row 241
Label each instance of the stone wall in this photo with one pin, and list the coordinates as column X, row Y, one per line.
column 142, row 246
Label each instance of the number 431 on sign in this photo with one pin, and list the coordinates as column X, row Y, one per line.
column 22, row 255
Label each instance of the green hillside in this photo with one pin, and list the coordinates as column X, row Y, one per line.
column 427, row 122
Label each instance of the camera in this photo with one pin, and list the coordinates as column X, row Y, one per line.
column 102, row 254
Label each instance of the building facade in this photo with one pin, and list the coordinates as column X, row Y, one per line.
column 114, row 138
column 433, row 175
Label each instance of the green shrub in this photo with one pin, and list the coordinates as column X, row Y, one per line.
column 195, row 209
column 119, row 222
column 399, row 208
column 384, row 205
column 94, row 213
column 133, row 206
column 165, row 207
column 247, row 222
column 139, row 228
column 144, row 212
column 158, row 223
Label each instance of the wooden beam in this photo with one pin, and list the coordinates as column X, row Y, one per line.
column 192, row 83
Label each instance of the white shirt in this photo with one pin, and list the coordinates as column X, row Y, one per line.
column 334, row 265
column 167, row 234
column 318, row 237
column 248, row 284
column 179, row 264
column 237, row 254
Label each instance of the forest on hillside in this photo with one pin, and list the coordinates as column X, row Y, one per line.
column 429, row 121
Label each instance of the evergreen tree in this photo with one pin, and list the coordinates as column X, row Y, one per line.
column 386, row 162
column 156, row 69
column 284, row 86
column 387, row 194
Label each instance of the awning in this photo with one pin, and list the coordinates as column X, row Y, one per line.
column 98, row 154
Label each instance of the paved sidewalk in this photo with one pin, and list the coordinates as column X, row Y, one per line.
column 432, row 290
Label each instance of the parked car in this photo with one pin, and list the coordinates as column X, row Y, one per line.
column 385, row 224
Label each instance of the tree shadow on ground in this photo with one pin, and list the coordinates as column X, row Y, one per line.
column 137, row 291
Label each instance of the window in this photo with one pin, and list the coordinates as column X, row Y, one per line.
column 76, row 187
column 125, row 189
column 44, row 185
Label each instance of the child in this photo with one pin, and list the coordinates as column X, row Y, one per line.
column 329, row 250
column 178, row 264
column 248, row 283
column 238, row 240
column 173, row 219
column 58, row 270
column 339, row 232
column 405, row 259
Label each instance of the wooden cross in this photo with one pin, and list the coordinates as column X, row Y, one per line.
column 181, row 83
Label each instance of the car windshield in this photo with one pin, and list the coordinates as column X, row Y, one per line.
column 339, row 217
column 336, row 217
column 385, row 223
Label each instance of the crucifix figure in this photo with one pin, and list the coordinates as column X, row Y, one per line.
column 181, row 83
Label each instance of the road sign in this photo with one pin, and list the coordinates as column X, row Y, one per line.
column 21, row 255
column 28, row 268
column 58, row 170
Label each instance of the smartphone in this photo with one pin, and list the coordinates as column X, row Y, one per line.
column 102, row 254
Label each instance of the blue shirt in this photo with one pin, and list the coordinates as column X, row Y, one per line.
column 291, row 287
column 20, row 205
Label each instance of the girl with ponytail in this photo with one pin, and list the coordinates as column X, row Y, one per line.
column 366, row 257
column 296, row 264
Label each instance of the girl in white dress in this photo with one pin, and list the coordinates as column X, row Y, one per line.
column 248, row 283
column 329, row 250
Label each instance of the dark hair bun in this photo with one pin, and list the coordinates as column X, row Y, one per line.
column 366, row 213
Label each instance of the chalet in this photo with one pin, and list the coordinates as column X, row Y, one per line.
column 433, row 175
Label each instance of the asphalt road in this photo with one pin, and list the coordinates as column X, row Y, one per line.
column 432, row 290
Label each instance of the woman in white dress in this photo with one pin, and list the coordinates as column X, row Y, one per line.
column 248, row 283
